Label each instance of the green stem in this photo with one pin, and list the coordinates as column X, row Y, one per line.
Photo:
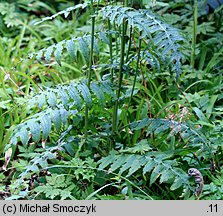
column 90, row 62
column 133, row 87
column 120, row 77
column 137, row 68
column 194, row 37
column 110, row 50
column 116, row 39
column 129, row 46
column 92, row 43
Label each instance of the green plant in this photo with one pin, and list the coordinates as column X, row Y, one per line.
column 124, row 127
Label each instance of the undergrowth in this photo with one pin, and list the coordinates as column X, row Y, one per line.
column 121, row 111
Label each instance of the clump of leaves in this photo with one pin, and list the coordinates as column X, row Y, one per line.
column 76, row 184
column 90, row 127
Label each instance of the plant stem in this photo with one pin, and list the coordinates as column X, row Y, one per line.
column 120, row 77
column 133, row 87
column 137, row 68
column 129, row 46
column 90, row 62
column 92, row 43
column 110, row 50
column 194, row 37
column 116, row 40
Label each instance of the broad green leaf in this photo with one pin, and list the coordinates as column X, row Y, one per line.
column 177, row 183
column 56, row 119
column 156, row 173
column 84, row 49
column 41, row 99
column 103, row 37
column 160, row 39
column 128, row 163
column 167, row 49
column 149, row 166
column 70, row 148
column 58, row 52
column 48, row 53
column 51, row 99
column 121, row 18
column 137, row 164
column 113, row 16
column 35, row 130
column 166, row 175
column 72, row 91
column 46, row 125
column 156, row 123
column 13, row 140
column 106, row 88
column 24, row 136
column 163, row 156
column 141, row 147
column 64, row 116
column 85, row 94
column 88, row 38
column 98, row 92
column 165, row 126
column 140, row 124
column 152, row 59
column 71, row 49
column 104, row 162
column 118, row 162
column 63, row 95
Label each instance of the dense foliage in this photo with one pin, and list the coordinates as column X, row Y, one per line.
column 111, row 99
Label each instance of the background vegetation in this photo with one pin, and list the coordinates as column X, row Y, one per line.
column 111, row 99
